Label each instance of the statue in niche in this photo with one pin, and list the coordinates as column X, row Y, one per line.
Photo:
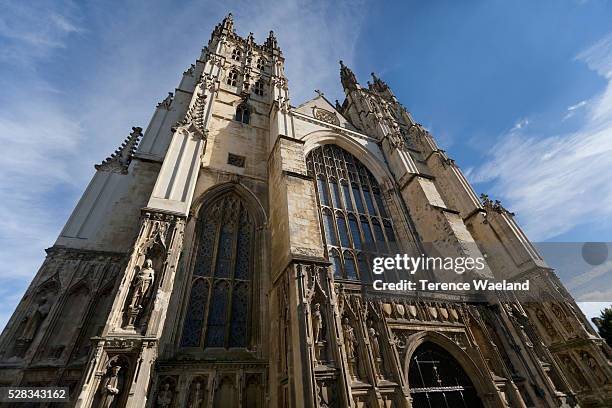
column 317, row 323
column 373, row 336
column 350, row 340
column 110, row 387
column 142, row 283
column 164, row 398
column 32, row 323
column 196, row 396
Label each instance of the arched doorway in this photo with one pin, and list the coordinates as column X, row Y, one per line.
column 437, row 380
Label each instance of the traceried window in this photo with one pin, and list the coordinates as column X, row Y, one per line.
column 219, row 308
column 437, row 380
column 236, row 54
column 258, row 88
column 261, row 63
column 232, row 78
column 356, row 225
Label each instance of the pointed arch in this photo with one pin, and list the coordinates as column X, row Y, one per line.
column 482, row 383
column 221, row 308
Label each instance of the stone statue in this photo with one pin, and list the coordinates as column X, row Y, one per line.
column 142, row 283
column 34, row 320
column 164, row 398
column 374, row 342
column 350, row 340
column 317, row 323
column 195, row 397
column 110, row 387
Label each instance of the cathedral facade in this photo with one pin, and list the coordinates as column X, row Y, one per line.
column 223, row 258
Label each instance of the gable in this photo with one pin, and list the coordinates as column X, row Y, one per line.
column 321, row 109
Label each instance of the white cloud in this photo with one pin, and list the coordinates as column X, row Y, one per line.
column 53, row 132
column 557, row 183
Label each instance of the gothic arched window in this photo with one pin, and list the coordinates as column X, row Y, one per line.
column 220, row 293
column 356, row 225
column 261, row 64
column 232, row 78
column 436, row 379
column 236, row 54
column 258, row 88
column 243, row 114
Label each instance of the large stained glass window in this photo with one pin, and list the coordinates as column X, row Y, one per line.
column 355, row 221
column 220, row 292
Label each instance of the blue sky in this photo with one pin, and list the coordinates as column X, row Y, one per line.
column 519, row 93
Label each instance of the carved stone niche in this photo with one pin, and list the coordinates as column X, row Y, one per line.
column 166, row 392
column 197, row 395
column 28, row 328
column 114, row 383
column 146, row 279
column 327, row 393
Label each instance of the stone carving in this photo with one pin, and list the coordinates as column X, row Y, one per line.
column 326, row 116
column 110, row 387
column 196, row 396
column 350, row 340
column 376, row 352
column 574, row 371
column 142, row 283
column 164, row 398
column 317, row 323
column 32, row 323
column 119, row 161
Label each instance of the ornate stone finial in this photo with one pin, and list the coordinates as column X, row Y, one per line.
column 119, row 161
column 378, row 84
column 347, row 77
column 189, row 71
column 226, row 26
column 165, row 104
column 271, row 42
column 318, row 92
column 338, row 106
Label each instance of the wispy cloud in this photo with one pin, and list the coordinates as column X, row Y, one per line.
column 53, row 130
column 559, row 182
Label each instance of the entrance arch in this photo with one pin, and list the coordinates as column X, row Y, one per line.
column 439, row 374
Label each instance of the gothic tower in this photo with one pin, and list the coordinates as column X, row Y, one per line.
column 223, row 258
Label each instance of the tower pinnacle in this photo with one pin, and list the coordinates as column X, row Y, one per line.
column 347, row 77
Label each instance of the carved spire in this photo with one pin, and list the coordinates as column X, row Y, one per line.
column 271, row 42
column 226, row 26
column 347, row 77
column 379, row 85
column 119, row 161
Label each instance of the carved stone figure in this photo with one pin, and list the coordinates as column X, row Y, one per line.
column 350, row 340
column 196, row 396
column 374, row 342
column 164, row 398
column 317, row 323
column 142, row 283
column 110, row 387
column 34, row 320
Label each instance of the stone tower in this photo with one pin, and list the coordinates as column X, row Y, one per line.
column 222, row 258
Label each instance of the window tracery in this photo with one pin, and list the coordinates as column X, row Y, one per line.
column 236, row 54
column 232, row 78
column 219, row 307
column 258, row 88
column 356, row 225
